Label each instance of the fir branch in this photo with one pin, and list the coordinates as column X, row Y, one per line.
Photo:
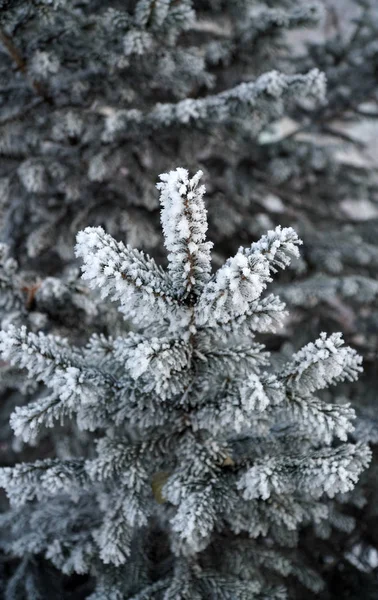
column 184, row 224
column 240, row 102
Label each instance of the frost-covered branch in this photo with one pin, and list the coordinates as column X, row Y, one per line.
column 41, row 354
column 321, row 419
column 243, row 278
column 322, row 363
column 184, row 222
column 328, row 471
column 260, row 100
column 28, row 481
column 125, row 275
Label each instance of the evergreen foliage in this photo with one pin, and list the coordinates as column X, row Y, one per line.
column 208, row 456
column 96, row 99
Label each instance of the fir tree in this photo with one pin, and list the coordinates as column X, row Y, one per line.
column 96, row 97
column 209, row 454
column 69, row 73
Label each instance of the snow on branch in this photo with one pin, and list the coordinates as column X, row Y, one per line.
column 43, row 478
column 265, row 314
column 320, row 364
column 117, row 457
column 329, row 471
column 236, row 360
column 184, row 221
column 114, row 535
column 235, row 409
column 40, row 354
column 50, row 359
column 125, row 275
column 28, row 421
column 195, row 519
column 264, row 97
column 159, row 357
column 322, row 419
column 243, row 278
column 238, row 283
column 279, row 246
